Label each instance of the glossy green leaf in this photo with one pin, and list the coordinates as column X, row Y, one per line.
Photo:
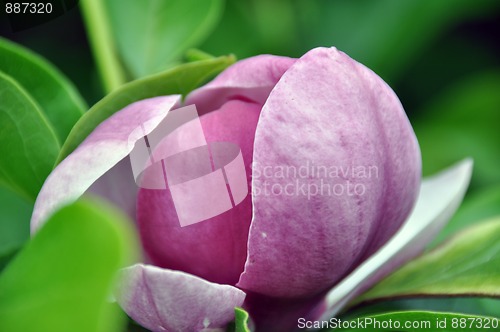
column 467, row 264
column 463, row 122
column 28, row 144
column 62, row 279
column 159, row 31
column 409, row 321
column 56, row 96
column 179, row 80
column 14, row 222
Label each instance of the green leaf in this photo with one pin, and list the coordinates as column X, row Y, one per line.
column 14, row 222
column 179, row 80
column 409, row 321
column 55, row 95
column 62, row 279
column 160, row 31
column 28, row 145
column 467, row 264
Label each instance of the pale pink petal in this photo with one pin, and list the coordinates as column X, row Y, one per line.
column 216, row 248
column 439, row 198
column 109, row 143
column 166, row 300
column 250, row 79
column 327, row 111
column 118, row 187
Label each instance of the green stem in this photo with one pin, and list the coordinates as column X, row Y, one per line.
column 103, row 46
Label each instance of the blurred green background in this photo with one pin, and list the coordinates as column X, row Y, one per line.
column 442, row 57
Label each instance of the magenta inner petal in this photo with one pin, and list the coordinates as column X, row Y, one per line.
column 215, row 248
column 250, row 79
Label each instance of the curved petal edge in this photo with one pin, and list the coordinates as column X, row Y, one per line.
column 439, row 198
column 251, row 79
column 168, row 300
column 109, row 143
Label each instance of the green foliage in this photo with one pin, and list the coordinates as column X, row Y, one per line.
column 178, row 80
column 157, row 36
column 463, row 122
column 55, row 95
column 14, row 223
column 386, row 35
column 61, row 280
column 161, row 30
column 29, row 144
column 403, row 29
column 465, row 265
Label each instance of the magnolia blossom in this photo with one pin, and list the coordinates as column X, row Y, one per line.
column 336, row 198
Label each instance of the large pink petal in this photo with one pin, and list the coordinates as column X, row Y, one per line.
column 249, row 79
column 102, row 149
column 214, row 249
column 332, row 113
column 166, row 300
